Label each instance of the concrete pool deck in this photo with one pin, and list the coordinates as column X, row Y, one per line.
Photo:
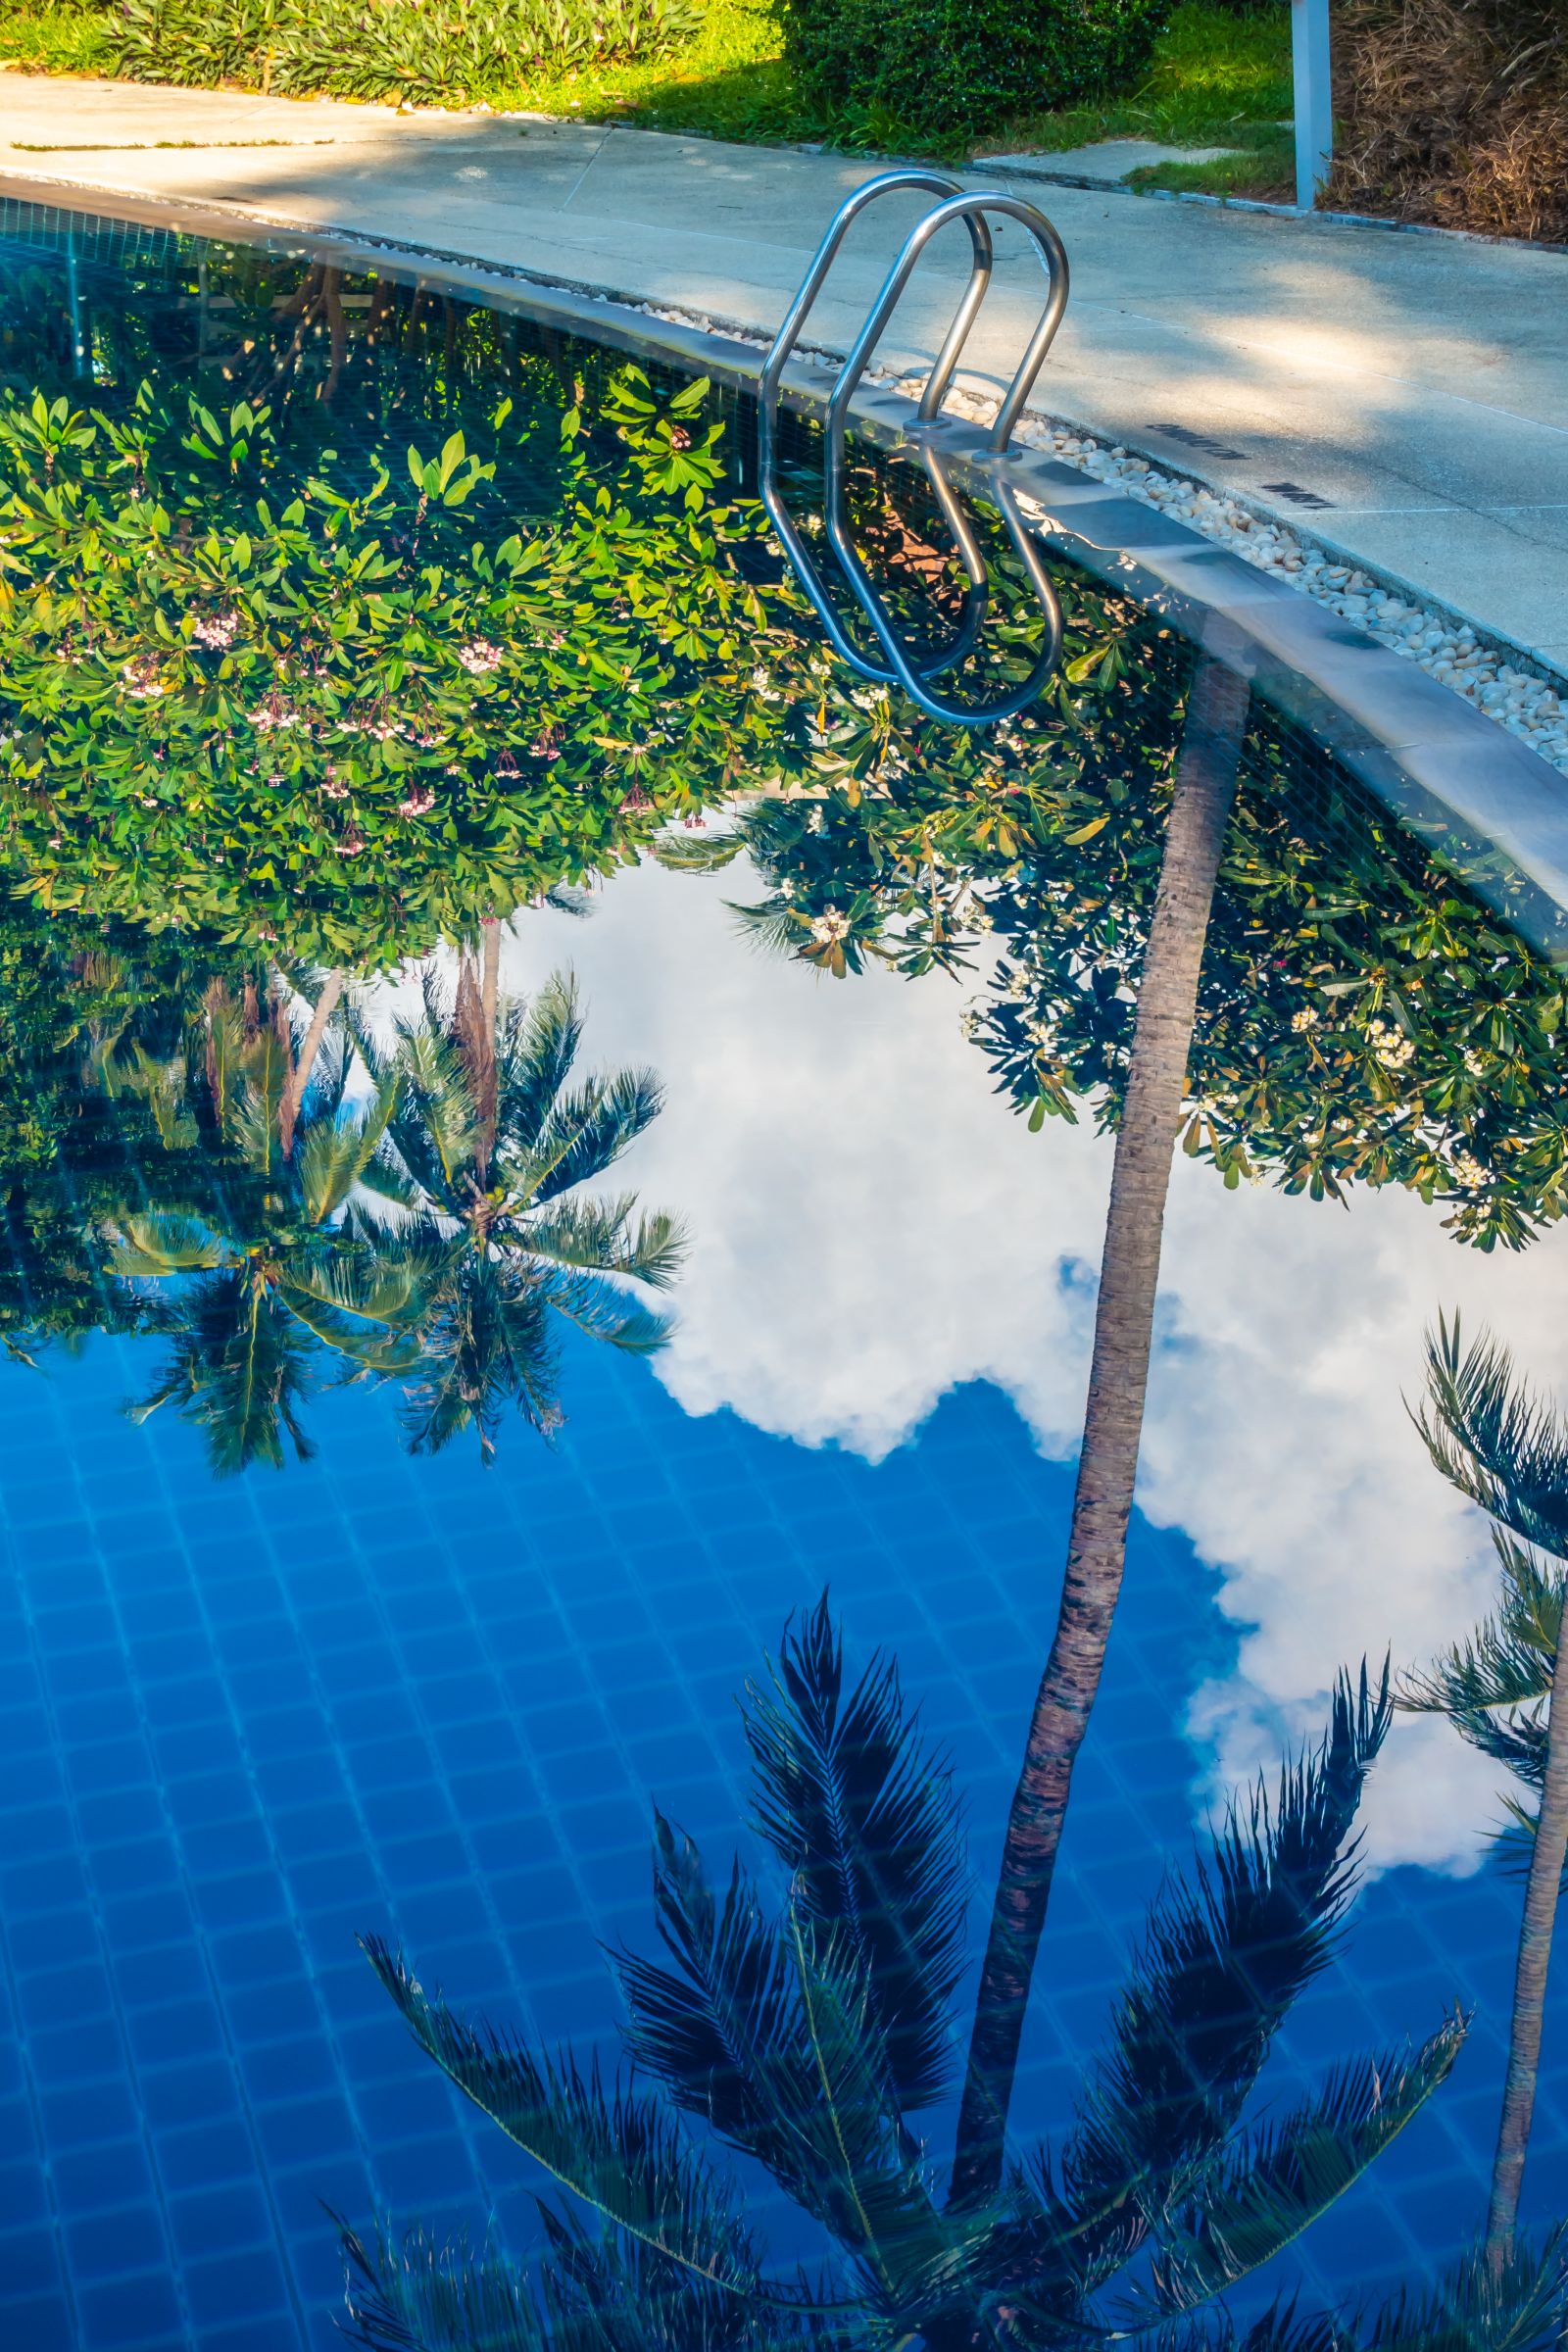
column 1401, row 398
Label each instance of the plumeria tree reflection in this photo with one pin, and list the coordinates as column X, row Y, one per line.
column 1363, row 1015
column 343, row 712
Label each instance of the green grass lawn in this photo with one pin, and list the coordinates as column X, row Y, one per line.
column 1218, row 78
column 1263, row 167
column 730, row 84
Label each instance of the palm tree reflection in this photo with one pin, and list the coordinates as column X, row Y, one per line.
column 1505, row 1689
column 438, row 1231
column 810, row 2030
column 258, row 1282
column 492, row 1143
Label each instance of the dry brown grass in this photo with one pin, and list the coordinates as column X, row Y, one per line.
column 1455, row 112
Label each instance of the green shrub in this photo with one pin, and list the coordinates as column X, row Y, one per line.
column 942, row 71
column 425, row 51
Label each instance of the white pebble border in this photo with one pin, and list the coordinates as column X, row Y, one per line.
column 1526, row 701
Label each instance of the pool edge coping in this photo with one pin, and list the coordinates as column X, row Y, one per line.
column 1414, row 742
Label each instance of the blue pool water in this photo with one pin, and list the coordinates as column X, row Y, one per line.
column 247, row 1719
column 241, row 1727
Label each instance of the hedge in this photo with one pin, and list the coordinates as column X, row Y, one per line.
column 945, row 72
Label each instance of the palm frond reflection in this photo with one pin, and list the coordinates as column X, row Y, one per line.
column 804, row 2029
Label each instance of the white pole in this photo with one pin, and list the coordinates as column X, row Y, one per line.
column 1314, row 98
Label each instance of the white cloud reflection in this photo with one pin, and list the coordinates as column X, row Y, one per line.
column 872, row 1227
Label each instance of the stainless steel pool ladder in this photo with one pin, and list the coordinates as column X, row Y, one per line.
column 901, row 667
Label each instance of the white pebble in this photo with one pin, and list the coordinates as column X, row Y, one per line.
column 1530, row 706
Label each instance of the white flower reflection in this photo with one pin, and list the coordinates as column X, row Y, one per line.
column 871, row 1227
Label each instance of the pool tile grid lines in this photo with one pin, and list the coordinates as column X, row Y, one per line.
column 333, row 1748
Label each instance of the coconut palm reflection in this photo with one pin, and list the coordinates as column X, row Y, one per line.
column 1505, row 1689
column 261, row 1289
column 292, row 1203
column 1187, row 951
column 79, row 1003
column 810, row 2033
column 1203, row 790
column 492, row 1138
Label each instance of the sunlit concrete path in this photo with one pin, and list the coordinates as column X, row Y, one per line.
column 1405, row 397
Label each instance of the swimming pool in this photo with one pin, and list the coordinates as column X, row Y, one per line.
column 398, row 1596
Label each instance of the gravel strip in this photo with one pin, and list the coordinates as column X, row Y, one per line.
column 1526, row 701
column 1529, row 701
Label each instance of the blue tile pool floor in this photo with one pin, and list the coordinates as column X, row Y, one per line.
column 240, row 1723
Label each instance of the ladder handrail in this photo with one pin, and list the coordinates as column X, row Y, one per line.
column 969, row 205
column 802, row 564
column 903, row 669
column 935, row 183
column 886, row 184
